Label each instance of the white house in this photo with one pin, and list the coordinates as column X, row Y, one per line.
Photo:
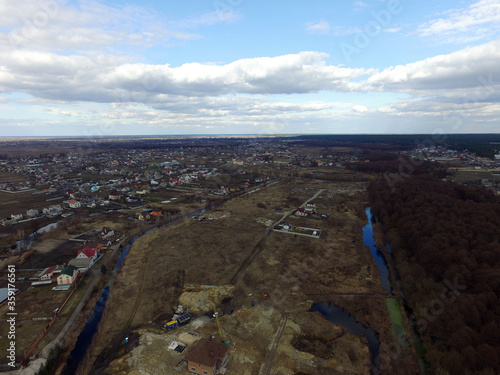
column 50, row 272
column 32, row 212
column 87, row 253
column 75, row 204
column 67, row 276
column 82, row 264
column 16, row 216
column 107, row 232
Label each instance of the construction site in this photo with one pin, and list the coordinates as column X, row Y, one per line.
column 231, row 295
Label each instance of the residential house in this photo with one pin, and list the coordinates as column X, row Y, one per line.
column 207, row 357
column 50, row 273
column 91, row 203
column 97, row 246
column 156, row 213
column 114, row 196
column 88, row 252
column 310, row 210
column 75, row 204
column 16, row 216
column 107, row 232
column 52, row 211
column 32, row 212
column 300, row 212
column 82, row 264
column 85, row 259
column 67, row 276
column 104, row 244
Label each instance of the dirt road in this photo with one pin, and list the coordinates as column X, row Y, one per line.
column 271, row 354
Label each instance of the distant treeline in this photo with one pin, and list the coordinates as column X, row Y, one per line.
column 445, row 239
column 390, row 162
column 482, row 144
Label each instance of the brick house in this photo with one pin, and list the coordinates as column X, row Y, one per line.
column 67, row 276
column 207, row 357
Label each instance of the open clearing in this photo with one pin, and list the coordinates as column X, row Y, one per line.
column 294, row 271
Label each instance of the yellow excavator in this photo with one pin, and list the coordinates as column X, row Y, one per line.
column 222, row 335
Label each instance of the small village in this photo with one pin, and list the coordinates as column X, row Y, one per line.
column 70, row 216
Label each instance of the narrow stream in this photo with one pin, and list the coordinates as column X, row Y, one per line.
column 393, row 305
column 85, row 338
column 378, row 256
column 340, row 317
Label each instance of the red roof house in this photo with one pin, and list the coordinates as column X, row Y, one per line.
column 88, row 252
column 207, row 357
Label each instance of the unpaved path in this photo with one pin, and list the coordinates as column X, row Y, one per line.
column 271, row 354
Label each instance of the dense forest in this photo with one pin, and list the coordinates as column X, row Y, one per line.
column 445, row 239
column 390, row 162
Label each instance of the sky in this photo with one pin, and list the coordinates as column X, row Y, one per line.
column 153, row 67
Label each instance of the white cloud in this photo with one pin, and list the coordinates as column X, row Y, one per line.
column 385, row 110
column 210, row 18
column 360, row 108
column 107, row 79
column 465, row 69
column 360, row 5
column 342, row 31
column 321, row 27
column 89, row 27
column 479, row 20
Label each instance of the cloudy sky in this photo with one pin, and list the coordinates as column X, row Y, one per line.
column 114, row 67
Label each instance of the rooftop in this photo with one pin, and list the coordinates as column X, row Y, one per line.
column 207, row 352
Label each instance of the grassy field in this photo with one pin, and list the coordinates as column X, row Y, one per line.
column 33, row 303
column 20, row 203
column 468, row 175
column 12, row 177
column 397, row 323
column 294, row 271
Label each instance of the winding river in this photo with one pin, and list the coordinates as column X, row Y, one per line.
column 340, row 317
column 330, row 311
column 85, row 338
column 378, row 256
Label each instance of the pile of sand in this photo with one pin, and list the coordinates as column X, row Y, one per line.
column 264, row 221
column 197, row 297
